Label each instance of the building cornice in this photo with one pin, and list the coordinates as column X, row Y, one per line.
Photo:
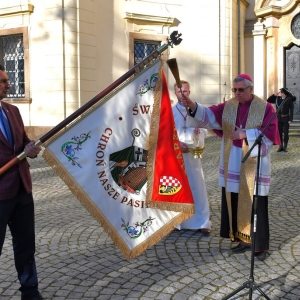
column 149, row 18
column 245, row 3
column 275, row 10
column 154, row 13
column 16, row 10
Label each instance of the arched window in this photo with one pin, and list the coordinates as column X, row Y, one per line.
column 295, row 26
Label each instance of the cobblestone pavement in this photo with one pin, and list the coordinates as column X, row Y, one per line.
column 77, row 260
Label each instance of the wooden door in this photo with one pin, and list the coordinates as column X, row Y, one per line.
column 292, row 76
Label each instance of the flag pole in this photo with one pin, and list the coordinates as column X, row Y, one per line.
column 174, row 39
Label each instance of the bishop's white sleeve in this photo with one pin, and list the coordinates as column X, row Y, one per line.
column 266, row 144
column 206, row 118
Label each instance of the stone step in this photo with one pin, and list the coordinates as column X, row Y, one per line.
column 295, row 129
column 294, row 132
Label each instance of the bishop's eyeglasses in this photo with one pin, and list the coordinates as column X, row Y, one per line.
column 240, row 90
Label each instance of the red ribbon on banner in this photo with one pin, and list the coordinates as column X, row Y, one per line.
column 170, row 182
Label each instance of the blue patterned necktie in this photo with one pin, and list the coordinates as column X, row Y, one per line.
column 6, row 127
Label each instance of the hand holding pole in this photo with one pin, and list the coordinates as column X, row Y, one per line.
column 172, row 63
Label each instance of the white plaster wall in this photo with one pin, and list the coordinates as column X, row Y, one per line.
column 204, row 56
column 62, row 59
column 72, row 61
column 111, row 42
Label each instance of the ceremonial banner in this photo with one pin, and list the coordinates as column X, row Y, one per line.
column 114, row 158
column 167, row 159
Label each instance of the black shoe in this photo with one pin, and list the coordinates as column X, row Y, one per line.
column 241, row 248
column 28, row 297
column 204, row 231
column 261, row 255
column 280, row 148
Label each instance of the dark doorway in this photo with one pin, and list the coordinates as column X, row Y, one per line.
column 292, row 76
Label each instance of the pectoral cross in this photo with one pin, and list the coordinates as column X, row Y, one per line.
column 184, row 127
column 184, row 119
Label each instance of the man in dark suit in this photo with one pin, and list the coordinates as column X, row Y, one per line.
column 285, row 115
column 16, row 201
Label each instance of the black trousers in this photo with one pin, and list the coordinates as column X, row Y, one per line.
column 262, row 225
column 283, row 128
column 18, row 214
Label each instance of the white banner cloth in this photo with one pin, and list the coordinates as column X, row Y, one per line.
column 102, row 155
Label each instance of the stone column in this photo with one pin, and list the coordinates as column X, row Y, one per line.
column 272, row 26
column 259, row 34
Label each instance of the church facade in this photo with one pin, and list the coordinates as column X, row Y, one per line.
column 279, row 46
column 59, row 54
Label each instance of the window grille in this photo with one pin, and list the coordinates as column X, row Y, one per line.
column 144, row 48
column 12, row 58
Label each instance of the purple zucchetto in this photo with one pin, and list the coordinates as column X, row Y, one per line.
column 245, row 76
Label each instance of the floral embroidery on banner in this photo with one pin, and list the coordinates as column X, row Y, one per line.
column 135, row 231
column 70, row 148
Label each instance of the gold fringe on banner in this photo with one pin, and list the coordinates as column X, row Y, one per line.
column 96, row 213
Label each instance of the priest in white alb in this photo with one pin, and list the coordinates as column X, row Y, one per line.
column 191, row 138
